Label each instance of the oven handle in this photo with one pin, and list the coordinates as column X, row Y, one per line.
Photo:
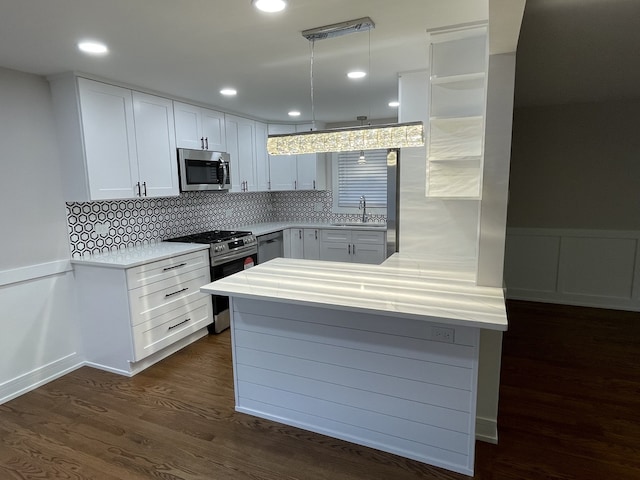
column 233, row 256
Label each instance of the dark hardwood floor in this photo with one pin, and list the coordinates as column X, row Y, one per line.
column 569, row 409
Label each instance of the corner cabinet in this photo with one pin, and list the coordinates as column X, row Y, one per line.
column 115, row 143
column 134, row 317
column 199, row 128
column 456, row 113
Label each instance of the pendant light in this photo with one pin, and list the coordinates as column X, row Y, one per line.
column 360, row 138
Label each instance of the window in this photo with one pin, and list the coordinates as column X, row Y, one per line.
column 356, row 179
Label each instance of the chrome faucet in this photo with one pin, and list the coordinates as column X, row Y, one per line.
column 363, row 206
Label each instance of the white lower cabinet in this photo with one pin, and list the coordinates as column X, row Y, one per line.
column 132, row 318
column 294, row 243
column 311, row 247
column 356, row 246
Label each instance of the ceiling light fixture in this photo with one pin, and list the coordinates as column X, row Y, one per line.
column 394, row 104
column 229, row 92
column 356, row 74
column 93, row 48
column 294, row 113
column 363, row 137
column 270, row 6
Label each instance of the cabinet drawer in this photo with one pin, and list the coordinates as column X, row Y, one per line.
column 336, row 235
column 166, row 269
column 162, row 331
column 161, row 297
column 368, row 237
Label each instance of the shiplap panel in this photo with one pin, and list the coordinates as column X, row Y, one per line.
column 359, row 417
column 356, row 321
column 332, row 384
column 361, row 435
column 453, row 377
column 397, row 345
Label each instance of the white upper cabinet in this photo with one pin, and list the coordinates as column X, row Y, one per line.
column 306, row 166
column 115, row 143
column 262, row 159
column 155, row 145
column 199, row 128
column 241, row 145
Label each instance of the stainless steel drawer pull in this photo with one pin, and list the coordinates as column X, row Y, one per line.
column 178, row 324
column 176, row 293
column 175, row 266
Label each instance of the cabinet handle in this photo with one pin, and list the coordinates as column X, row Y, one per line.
column 144, row 184
column 349, row 249
column 202, row 143
column 176, row 293
column 138, row 187
column 295, row 184
column 354, row 248
column 206, row 142
column 314, row 184
column 175, row 266
column 269, row 185
column 178, row 324
column 300, row 234
column 316, row 234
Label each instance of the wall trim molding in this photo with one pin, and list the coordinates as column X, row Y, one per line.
column 487, row 430
column 580, row 267
column 37, row 377
column 33, row 272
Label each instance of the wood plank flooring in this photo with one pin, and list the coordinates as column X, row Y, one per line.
column 569, row 409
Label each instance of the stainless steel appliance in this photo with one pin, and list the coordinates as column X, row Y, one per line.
column 270, row 246
column 229, row 252
column 203, row 170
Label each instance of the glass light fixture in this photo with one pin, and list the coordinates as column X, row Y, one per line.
column 395, row 135
column 360, row 138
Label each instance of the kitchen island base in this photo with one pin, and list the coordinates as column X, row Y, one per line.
column 401, row 385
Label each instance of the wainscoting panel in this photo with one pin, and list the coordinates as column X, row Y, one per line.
column 594, row 268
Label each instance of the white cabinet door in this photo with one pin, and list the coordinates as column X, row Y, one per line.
column 213, row 130
column 306, row 166
column 262, row 159
column 156, row 146
column 297, row 243
column 199, row 128
column 366, row 253
column 241, row 147
column 188, row 124
column 311, row 244
column 282, row 168
column 109, row 140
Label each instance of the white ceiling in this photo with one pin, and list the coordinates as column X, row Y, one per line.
column 192, row 48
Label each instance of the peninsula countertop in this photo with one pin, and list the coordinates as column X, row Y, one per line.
column 400, row 287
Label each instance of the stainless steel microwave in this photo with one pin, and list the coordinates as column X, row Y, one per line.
column 203, row 170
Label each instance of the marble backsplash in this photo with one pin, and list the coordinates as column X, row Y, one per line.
column 114, row 224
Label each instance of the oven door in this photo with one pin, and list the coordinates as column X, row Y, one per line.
column 223, row 269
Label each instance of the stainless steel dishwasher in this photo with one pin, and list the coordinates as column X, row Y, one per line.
column 270, row 246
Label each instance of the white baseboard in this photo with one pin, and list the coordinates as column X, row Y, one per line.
column 487, row 430
column 31, row 380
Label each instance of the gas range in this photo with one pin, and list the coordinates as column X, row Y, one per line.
column 225, row 244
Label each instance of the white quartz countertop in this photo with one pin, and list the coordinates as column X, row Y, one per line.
column 400, row 287
column 265, row 228
column 134, row 256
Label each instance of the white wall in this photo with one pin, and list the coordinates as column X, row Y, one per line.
column 40, row 338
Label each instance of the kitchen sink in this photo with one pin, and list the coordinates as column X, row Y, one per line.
column 359, row 224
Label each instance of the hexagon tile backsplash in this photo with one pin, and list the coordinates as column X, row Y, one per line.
column 109, row 225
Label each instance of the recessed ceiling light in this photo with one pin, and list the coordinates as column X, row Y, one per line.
column 93, row 48
column 229, row 92
column 294, row 113
column 356, row 74
column 270, row 6
column 394, row 104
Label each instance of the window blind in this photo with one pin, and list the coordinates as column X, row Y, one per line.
column 369, row 179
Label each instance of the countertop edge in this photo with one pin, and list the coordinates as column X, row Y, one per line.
column 177, row 249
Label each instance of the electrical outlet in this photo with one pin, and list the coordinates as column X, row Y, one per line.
column 442, row 334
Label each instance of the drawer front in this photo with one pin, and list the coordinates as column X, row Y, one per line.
column 166, row 269
column 161, row 297
column 368, row 237
column 162, row 331
column 336, row 235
